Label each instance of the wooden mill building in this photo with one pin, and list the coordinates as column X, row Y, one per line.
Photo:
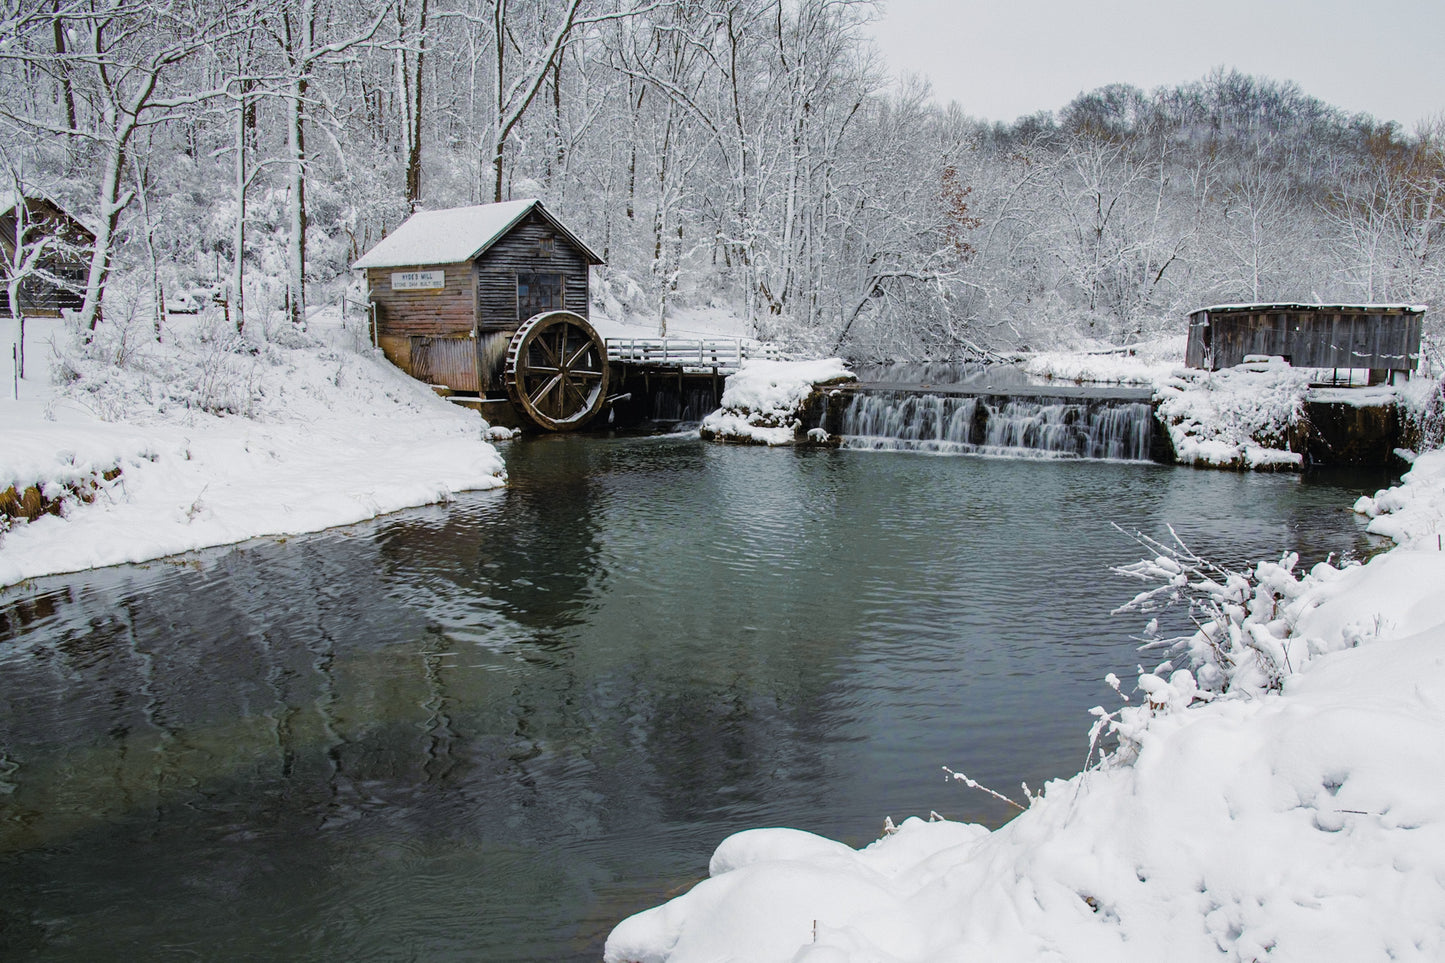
column 1383, row 338
column 449, row 289
column 57, row 280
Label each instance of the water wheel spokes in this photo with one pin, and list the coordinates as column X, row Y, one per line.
column 556, row 371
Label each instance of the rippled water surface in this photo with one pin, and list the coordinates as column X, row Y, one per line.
column 487, row 731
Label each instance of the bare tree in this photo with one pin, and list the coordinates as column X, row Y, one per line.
column 523, row 54
column 33, row 246
column 122, row 56
column 302, row 34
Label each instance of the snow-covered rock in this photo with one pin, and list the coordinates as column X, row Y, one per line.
column 762, row 402
column 1235, row 418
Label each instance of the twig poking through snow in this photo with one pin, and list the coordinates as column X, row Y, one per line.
column 974, row 784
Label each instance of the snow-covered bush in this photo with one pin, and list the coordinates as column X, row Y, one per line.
column 1238, row 418
column 202, row 364
column 1245, row 642
column 1422, row 403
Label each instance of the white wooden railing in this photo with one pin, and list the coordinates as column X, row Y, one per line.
column 721, row 353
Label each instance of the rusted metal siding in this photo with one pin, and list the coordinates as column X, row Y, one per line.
column 445, row 361
column 1328, row 337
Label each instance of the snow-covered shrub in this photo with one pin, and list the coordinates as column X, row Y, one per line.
column 1245, row 642
column 1238, row 418
column 224, row 377
column 120, row 368
column 1422, row 403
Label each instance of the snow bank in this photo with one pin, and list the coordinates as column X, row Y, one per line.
column 1302, row 820
column 1413, row 513
column 1235, row 418
column 220, row 439
column 762, row 401
column 1144, row 364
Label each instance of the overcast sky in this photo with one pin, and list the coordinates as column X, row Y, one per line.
column 1001, row 59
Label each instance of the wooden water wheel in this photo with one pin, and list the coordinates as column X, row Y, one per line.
column 556, row 370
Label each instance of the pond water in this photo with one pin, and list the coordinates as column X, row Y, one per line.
column 490, row 730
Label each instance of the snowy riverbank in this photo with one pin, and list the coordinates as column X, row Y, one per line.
column 1282, row 798
column 218, row 439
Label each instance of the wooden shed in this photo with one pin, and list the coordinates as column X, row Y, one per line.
column 56, row 280
column 492, row 300
column 1383, row 338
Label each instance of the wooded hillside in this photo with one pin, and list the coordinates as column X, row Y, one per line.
column 749, row 153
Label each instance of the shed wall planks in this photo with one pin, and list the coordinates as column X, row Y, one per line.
column 434, row 313
column 1381, row 340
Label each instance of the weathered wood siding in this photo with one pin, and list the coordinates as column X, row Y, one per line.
column 1387, row 340
column 39, row 297
column 522, row 252
column 1196, row 349
column 438, row 312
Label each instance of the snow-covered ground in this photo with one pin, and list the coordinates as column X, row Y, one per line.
column 1277, row 792
column 218, row 439
column 1148, row 363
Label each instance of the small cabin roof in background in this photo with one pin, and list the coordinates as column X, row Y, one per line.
column 1331, row 308
column 458, row 234
column 9, row 200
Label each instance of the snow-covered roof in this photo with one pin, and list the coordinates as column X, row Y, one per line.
column 9, row 200
column 1298, row 306
column 456, row 234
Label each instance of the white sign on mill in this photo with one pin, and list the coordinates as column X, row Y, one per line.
column 418, row 280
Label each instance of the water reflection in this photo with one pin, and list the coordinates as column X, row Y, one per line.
column 490, row 729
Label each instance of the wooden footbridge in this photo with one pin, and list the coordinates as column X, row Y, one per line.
column 559, row 374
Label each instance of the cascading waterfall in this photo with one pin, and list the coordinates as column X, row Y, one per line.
column 951, row 424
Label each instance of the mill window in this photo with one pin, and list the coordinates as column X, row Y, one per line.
column 537, row 293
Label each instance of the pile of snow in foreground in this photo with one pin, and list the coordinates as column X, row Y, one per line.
column 1297, row 815
column 762, row 401
column 220, row 439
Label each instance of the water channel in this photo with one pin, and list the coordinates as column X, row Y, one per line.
column 490, row 730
